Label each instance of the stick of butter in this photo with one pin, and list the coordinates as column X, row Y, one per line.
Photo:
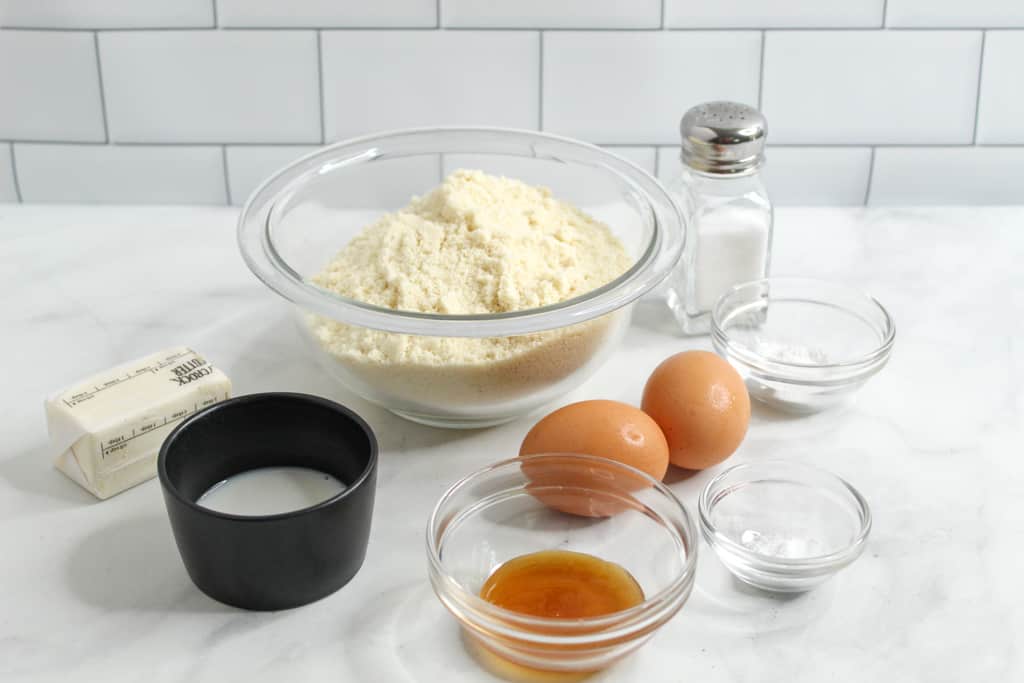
column 107, row 429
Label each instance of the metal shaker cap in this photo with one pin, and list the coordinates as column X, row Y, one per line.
column 723, row 138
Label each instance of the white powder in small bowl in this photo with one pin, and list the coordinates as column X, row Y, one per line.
column 477, row 244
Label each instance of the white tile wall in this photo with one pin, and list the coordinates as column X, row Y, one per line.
column 853, row 89
column 250, row 165
column 548, row 14
column 49, row 87
column 871, row 87
column 632, row 87
column 955, row 13
column 8, row 192
column 107, row 13
column 817, row 176
column 1001, row 107
column 376, row 80
column 948, row 175
column 211, row 86
column 327, row 13
column 120, row 174
column 773, row 13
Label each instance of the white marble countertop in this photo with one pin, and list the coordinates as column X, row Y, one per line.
column 96, row 591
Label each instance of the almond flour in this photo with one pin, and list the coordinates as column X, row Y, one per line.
column 476, row 244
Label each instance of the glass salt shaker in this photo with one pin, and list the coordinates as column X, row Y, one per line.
column 729, row 214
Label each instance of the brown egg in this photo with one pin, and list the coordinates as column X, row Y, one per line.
column 701, row 405
column 607, row 429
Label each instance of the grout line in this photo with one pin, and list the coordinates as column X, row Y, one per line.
column 227, row 181
column 14, row 173
column 437, row 9
column 595, row 29
column 105, row 29
column 884, row 145
column 700, row 29
column 329, row 27
column 643, row 143
column 103, row 97
column 320, row 83
column 216, row 20
column 663, row 14
column 540, row 81
column 136, row 143
column 977, row 99
column 760, row 75
column 871, row 177
column 885, row 13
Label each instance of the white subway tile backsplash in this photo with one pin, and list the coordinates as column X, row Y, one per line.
column 106, row 82
column 948, row 175
column 1001, row 109
column 547, row 14
column 871, row 87
column 211, row 86
column 632, row 87
column 817, row 176
column 955, row 13
column 107, row 13
column 376, row 80
column 327, row 13
column 8, row 192
column 773, row 13
column 118, row 174
column 49, row 88
column 249, row 166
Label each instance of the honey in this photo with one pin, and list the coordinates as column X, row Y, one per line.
column 562, row 584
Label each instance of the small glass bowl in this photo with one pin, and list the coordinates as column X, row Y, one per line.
column 514, row 507
column 783, row 526
column 802, row 345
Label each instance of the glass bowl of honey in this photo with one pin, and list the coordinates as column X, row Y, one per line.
column 561, row 562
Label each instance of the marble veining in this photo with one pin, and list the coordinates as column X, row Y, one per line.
column 96, row 591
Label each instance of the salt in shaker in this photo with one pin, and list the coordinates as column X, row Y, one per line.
column 729, row 215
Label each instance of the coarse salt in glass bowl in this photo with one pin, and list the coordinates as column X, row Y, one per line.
column 295, row 223
column 571, row 502
column 783, row 526
column 802, row 345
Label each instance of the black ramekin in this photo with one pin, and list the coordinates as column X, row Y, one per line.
column 270, row 562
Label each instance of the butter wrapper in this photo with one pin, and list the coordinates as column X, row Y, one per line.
column 106, row 431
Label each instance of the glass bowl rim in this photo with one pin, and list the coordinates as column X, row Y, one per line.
column 865, row 362
column 660, row 254
column 834, row 559
column 656, row 602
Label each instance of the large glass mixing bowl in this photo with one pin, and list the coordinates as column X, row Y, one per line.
column 296, row 222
